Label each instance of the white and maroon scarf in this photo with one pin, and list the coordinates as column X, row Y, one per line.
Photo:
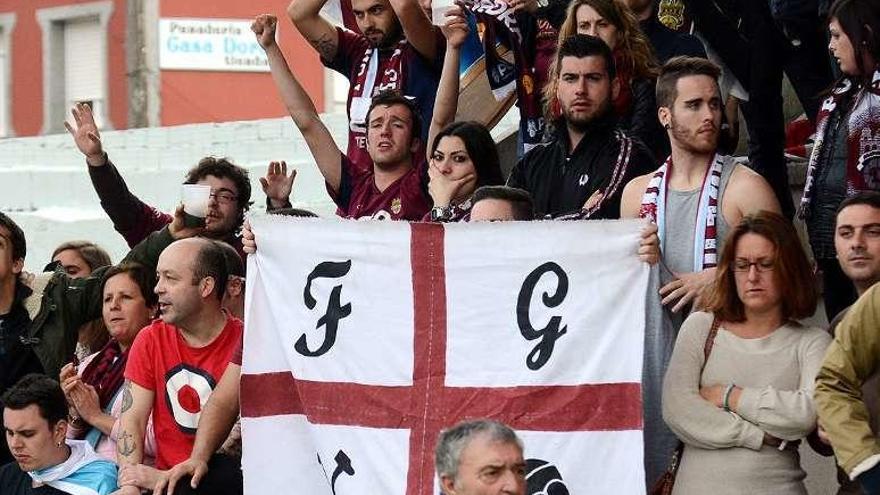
column 368, row 81
column 863, row 139
column 705, row 230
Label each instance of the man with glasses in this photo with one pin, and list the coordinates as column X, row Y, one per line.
column 134, row 219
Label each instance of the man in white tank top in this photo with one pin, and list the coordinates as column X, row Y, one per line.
column 690, row 109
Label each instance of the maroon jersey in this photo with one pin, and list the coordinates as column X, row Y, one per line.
column 399, row 67
column 358, row 197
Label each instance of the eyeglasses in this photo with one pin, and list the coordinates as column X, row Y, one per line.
column 762, row 265
column 224, row 196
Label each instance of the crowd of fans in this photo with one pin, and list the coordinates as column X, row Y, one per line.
column 102, row 365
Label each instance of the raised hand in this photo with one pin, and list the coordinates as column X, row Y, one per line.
column 178, row 229
column 264, row 27
column 456, row 27
column 277, row 184
column 86, row 135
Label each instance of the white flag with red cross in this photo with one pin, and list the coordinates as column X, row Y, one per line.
column 364, row 339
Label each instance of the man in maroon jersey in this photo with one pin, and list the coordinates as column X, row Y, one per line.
column 393, row 187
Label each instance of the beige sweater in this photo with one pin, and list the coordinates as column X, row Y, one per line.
column 724, row 451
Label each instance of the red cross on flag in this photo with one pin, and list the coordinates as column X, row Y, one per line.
column 365, row 339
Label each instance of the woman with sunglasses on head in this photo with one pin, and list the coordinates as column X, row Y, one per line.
column 742, row 412
column 845, row 158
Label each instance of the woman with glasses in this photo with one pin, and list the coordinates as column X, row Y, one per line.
column 742, row 412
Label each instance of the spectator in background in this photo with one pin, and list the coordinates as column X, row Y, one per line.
column 35, row 423
column 393, row 187
column 79, row 259
column 93, row 389
column 636, row 67
column 399, row 50
column 749, row 356
column 665, row 42
column 134, row 219
column 588, row 161
column 501, row 204
column 844, row 158
column 480, row 457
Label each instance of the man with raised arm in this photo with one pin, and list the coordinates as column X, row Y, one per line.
column 392, row 186
column 686, row 194
column 399, row 49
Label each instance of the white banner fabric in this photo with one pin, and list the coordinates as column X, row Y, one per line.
column 364, row 339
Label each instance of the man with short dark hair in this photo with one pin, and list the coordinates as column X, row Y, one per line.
column 857, row 243
column 175, row 363
column 392, row 186
column 134, row 219
column 397, row 49
column 46, row 462
column 589, row 160
column 501, row 203
column 480, row 457
column 697, row 195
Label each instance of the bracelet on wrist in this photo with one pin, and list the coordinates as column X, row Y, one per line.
column 725, row 403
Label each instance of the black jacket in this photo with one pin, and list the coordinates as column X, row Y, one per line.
column 561, row 182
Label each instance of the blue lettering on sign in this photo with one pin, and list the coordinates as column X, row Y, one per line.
column 176, row 45
column 231, row 46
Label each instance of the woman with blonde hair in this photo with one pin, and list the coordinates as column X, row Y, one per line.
column 635, row 105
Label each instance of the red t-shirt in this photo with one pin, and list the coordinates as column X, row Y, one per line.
column 238, row 354
column 181, row 378
column 358, row 196
column 406, row 71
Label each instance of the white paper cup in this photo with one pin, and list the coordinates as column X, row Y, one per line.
column 195, row 200
column 439, row 8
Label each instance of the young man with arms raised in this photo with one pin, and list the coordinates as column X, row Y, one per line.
column 392, row 186
column 399, row 49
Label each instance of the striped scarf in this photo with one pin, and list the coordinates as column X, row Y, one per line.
column 705, row 232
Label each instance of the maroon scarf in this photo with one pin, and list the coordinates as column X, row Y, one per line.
column 106, row 372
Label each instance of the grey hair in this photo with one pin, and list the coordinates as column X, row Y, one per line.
column 453, row 440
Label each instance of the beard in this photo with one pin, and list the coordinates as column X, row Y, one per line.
column 581, row 121
column 693, row 141
column 382, row 39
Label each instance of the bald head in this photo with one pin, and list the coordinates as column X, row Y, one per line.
column 192, row 273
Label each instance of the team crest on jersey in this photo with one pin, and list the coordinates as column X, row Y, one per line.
column 187, row 390
column 396, row 206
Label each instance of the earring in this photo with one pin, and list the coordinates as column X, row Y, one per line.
column 666, row 126
column 58, row 445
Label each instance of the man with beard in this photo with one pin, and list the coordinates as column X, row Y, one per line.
column 391, row 187
column 398, row 49
column 684, row 199
column 584, row 167
column 134, row 219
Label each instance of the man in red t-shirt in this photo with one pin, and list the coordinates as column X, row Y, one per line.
column 394, row 186
column 175, row 363
column 397, row 48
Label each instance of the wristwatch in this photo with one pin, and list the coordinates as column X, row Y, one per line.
column 542, row 4
column 440, row 213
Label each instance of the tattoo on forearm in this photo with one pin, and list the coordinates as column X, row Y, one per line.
column 325, row 46
column 127, row 399
column 125, row 444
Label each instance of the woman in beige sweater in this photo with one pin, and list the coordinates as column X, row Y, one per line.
column 742, row 412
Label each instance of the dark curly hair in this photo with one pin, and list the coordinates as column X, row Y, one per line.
column 222, row 168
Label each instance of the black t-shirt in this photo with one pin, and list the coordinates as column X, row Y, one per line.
column 14, row 481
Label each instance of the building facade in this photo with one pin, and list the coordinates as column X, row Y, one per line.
column 142, row 63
